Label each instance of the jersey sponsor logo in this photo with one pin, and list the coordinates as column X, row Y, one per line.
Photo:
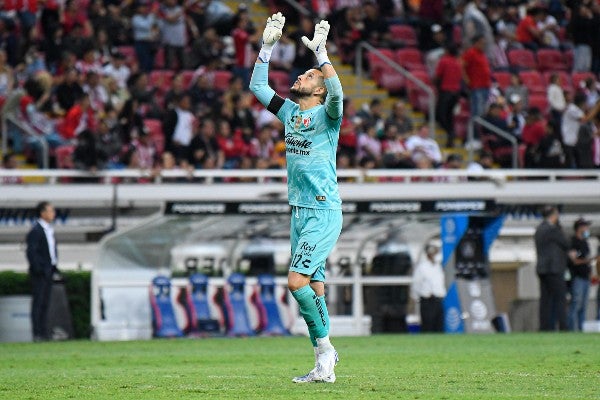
column 298, row 146
column 320, row 198
column 290, row 140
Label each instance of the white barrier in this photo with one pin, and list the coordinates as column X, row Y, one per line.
column 138, row 325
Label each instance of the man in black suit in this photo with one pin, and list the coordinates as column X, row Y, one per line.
column 552, row 249
column 42, row 258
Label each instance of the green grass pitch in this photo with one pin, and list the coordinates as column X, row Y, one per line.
column 513, row 366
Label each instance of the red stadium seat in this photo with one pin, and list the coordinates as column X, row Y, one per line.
column 569, row 59
column 393, row 81
column 405, row 34
column 411, row 59
column 154, row 127
column 221, row 79
column 534, row 81
column 129, row 53
column 417, row 96
column 551, row 60
column 161, row 79
column 281, row 82
column 522, row 59
column 502, row 78
column 64, row 156
column 187, row 77
column 579, row 77
column 159, row 58
column 540, row 101
column 461, row 119
column 377, row 66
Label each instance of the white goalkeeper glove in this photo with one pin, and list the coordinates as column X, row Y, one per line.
column 271, row 35
column 317, row 44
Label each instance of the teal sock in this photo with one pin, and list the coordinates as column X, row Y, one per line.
column 313, row 311
column 325, row 314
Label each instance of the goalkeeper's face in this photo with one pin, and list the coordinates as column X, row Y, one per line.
column 309, row 84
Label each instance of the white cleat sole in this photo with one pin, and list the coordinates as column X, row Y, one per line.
column 313, row 375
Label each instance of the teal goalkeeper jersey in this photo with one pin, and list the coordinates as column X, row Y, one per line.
column 311, row 139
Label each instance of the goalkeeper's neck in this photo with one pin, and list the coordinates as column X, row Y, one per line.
column 307, row 102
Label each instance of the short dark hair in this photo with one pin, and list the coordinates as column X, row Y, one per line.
column 548, row 211
column 41, row 207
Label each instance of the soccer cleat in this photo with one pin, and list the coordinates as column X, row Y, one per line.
column 318, row 373
column 313, row 376
column 327, row 362
column 323, row 370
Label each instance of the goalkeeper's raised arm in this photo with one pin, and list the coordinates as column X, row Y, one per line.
column 316, row 86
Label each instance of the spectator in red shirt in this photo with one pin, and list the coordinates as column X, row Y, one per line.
column 231, row 144
column 533, row 132
column 477, row 75
column 80, row 117
column 348, row 135
column 243, row 36
column 75, row 15
column 448, row 78
column 527, row 32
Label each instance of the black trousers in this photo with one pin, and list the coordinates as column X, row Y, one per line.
column 41, row 289
column 553, row 302
column 445, row 113
column 432, row 314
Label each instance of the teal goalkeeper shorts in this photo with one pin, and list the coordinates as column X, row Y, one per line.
column 313, row 233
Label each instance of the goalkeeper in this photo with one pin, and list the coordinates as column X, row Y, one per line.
column 312, row 128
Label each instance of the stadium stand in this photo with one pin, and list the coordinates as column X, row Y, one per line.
column 522, row 59
column 211, row 51
column 406, row 34
column 533, row 81
column 551, row 60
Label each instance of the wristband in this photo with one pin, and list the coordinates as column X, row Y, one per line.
column 322, row 58
column 265, row 52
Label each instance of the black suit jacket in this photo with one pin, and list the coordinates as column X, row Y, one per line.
column 551, row 248
column 38, row 254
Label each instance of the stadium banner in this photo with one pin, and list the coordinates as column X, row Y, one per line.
column 466, row 242
column 375, row 206
column 452, row 229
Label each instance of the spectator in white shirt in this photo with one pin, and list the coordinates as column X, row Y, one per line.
column 422, row 144
column 429, row 289
column 117, row 69
column 556, row 101
column 369, row 145
column 573, row 117
column 284, row 53
column 179, row 127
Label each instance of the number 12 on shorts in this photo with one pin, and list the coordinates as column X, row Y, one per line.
column 298, row 260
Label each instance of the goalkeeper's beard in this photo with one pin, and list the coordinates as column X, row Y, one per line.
column 301, row 92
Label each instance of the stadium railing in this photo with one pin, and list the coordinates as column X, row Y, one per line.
column 503, row 134
column 382, row 176
column 362, row 46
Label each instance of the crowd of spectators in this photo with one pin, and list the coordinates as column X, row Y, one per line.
column 163, row 85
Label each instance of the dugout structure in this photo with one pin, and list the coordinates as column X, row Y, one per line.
column 368, row 271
